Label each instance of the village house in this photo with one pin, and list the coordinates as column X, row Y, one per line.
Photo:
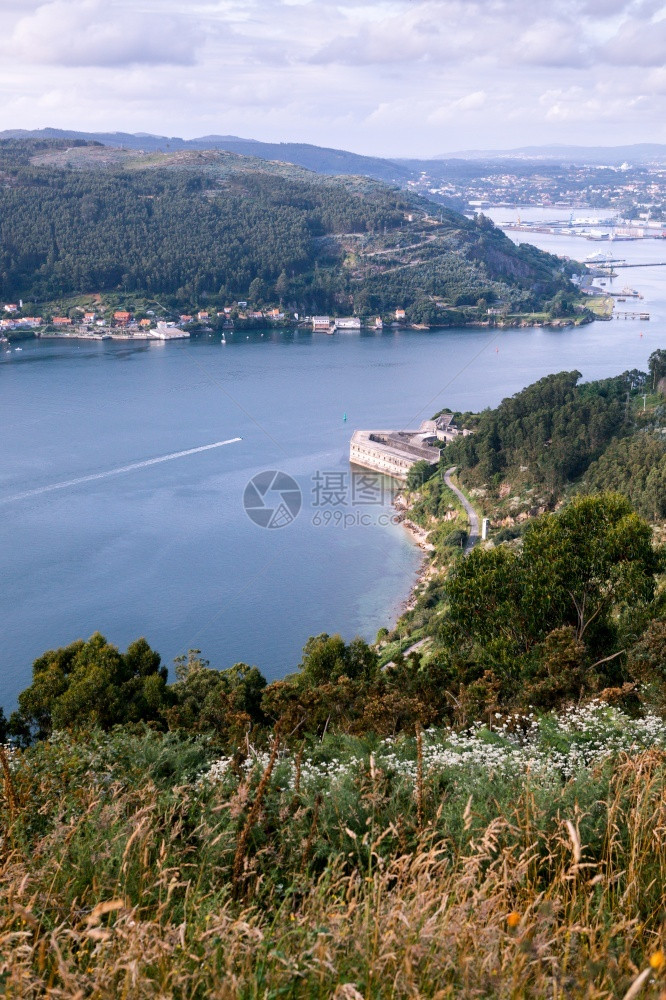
column 144, row 323
column 400, row 314
column 348, row 323
column 203, row 316
column 321, row 323
column 89, row 317
column 121, row 317
column 11, row 307
column 61, row 321
column 185, row 318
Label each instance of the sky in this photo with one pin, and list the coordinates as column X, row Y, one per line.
column 389, row 77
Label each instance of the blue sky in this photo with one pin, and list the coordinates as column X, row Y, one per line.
column 405, row 77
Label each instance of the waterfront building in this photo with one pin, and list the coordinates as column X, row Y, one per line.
column 391, row 452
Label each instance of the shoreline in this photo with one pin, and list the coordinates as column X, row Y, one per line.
column 418, row 536
column 499, row 323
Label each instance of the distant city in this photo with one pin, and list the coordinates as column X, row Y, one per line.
column 633, row 193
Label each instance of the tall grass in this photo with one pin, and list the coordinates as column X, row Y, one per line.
column 119, row 874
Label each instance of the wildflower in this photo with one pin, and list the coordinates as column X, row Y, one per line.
column 657, row 960
column 513, row 919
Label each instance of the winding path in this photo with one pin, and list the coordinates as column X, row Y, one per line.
column 474, row 529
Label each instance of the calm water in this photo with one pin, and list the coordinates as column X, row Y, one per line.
column 166, row 550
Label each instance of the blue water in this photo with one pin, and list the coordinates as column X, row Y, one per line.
column 166, row 550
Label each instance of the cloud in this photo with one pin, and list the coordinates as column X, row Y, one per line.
column 91, row 33
column 552, row 43
column 445, row 113
column 399, row 77
column 638, row 43
column 423, row 32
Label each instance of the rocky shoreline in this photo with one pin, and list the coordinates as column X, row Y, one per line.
column 419, row 536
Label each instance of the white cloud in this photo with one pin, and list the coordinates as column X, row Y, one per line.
column 638, row 43
column 379, row 76
column 91, row 33
column 552, row 43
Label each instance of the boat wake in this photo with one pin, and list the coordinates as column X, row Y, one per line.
column 67, row 483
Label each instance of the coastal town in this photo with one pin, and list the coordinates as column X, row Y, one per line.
column 124, row 324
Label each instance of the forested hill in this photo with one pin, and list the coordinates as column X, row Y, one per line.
column 560, row 435
column 213, row 227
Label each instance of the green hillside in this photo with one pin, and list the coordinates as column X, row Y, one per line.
column 211, row 227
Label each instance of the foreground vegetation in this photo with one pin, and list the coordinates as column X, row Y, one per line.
column 133, row 864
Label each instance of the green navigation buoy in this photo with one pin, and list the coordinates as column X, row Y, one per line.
column 344, row 417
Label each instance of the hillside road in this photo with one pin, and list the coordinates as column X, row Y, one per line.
column 472, row 516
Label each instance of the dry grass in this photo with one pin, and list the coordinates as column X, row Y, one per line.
column 523, row 907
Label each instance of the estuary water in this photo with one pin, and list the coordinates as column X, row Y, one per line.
column 97, row 535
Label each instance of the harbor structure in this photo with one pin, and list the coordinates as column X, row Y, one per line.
column 393, row 452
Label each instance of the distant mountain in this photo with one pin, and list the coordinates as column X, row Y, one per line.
column 638, row 153
column 318, row 158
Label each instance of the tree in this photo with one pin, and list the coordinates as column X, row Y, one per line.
column 576, row 568
column 592, row 557
column 327, row 658
column 419, row 473
column 282, row 286
column 91, row 684
column 257, row 291
column 657, row 367
column 224, row 702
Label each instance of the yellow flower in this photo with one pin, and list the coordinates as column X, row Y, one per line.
column 513, row 919
column 657, row 960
